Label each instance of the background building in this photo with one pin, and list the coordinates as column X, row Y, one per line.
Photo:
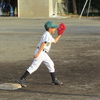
column 48, row 8
column 36, row 8
column 40, row 8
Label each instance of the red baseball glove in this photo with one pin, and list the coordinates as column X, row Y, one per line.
column 61, row 29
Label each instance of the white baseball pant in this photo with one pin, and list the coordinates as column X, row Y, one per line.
column 43, row 57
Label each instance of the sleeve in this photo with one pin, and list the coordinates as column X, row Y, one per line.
column 53, row 39
column 47, row 38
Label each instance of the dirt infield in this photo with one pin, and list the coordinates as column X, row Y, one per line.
column 76, row 57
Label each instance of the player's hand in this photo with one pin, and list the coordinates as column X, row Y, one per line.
column 36, row 55
column 61, row 28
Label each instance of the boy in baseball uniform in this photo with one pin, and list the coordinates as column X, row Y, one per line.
column 41, row 54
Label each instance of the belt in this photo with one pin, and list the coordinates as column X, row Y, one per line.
column 43, row 50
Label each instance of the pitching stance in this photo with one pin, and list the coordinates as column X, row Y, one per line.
column 41, row 53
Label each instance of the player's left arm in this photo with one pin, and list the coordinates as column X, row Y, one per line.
column 60, row 30
column 57, row 38
column 40, row 49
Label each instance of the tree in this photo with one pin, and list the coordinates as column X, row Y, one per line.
column 74, row 7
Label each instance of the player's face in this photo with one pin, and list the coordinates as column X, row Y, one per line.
column 52, row 30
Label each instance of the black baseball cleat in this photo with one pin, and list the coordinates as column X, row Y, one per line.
column 21, row 82
column 56, row 82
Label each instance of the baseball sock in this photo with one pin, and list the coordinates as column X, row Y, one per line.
column 24, row 75
column 52, row 76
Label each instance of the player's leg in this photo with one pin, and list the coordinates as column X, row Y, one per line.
column 50, row 65
column 34, row 66
column 21, row 80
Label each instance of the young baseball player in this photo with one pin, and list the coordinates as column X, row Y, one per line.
column 41, row 53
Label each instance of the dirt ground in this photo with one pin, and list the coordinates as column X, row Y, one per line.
column 76, row 57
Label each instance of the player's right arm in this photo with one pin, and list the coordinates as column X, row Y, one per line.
column 40, row 49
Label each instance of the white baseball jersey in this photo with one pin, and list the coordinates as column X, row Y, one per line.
column 48, row 39
column 43, row 56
